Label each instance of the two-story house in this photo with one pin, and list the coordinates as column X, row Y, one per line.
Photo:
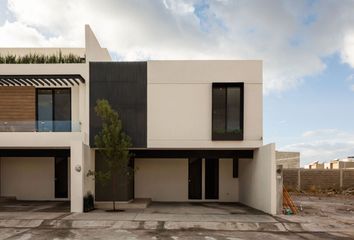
column 196, row 128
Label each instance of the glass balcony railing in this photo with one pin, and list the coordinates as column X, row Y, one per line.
column 39, row 126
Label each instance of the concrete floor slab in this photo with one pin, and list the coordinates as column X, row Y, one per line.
column 20, row 223
column 203, row 217
column 6, row 233
column 101, row 216
column 35, row 206
column 175, row 221
column 30, row 215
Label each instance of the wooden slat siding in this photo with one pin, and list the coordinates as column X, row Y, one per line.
column 18, row 104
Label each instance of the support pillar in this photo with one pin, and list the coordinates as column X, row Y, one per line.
column 77, row 176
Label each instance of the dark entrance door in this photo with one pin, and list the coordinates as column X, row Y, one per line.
column 61, row 177
column 211, row 178
column 195, row 178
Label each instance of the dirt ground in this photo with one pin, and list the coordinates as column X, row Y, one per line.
column 322, row 204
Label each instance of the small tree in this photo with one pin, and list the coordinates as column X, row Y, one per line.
column 113, row 145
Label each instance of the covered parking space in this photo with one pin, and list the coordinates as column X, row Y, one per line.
column 34, row 176
column 28, row 170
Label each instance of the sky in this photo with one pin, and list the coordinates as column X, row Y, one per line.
column 307, row 48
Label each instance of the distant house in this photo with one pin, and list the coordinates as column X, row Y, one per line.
column 315, row 165
column 343, row 163
column 288, row 159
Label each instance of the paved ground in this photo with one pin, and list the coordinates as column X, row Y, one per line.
column 172, row 221
column 34, row 206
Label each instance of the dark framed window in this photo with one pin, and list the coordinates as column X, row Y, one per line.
column 53, row 109
column 227, row 111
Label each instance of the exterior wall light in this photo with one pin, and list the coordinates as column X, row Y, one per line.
column 78, row 168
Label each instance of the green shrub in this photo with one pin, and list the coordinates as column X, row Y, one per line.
column 34, row 58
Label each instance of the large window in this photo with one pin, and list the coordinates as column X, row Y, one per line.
column 227, row 111
column 54, row 110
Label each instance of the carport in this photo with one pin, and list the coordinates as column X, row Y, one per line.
column 34, row 175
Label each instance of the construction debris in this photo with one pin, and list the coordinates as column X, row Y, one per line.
column 288, row 204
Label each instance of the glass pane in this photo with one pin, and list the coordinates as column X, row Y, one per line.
column 44, row 110
column 62, row 110
column 233, row 109
column 219, row 98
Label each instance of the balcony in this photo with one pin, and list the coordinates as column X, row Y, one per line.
column 39, row 126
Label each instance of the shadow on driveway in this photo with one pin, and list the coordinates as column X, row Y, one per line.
column 34, row 206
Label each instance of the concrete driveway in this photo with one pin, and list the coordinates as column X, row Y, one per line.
column 34, row 206
column 173, row 221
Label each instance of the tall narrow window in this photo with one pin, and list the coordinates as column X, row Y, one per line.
column 227, row 111
column 44, row 110
column 62, row 110
column 54, row 110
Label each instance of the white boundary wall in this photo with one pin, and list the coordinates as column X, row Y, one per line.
column 257, row 178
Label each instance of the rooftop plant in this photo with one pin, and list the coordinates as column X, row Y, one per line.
column 35, row 58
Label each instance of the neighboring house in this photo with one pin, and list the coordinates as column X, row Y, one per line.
column 288, row 159
column 343, row 163
column 196, row 128
column 315, row 165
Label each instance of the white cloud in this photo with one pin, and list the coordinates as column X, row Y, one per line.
column 179, row 6
column 320, row 133
column 348, row 49
column 277, row 32
column 323, row 145
column 350, row 77
column 19, row 35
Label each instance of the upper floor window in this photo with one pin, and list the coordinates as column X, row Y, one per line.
column 53, row 110
column 227, row 111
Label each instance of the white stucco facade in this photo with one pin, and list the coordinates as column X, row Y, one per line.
column 179, row 102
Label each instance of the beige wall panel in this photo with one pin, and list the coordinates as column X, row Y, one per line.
column 228, row 186
column 27, row 178
column 207, row 71
column 179, row 111
column 161, row 179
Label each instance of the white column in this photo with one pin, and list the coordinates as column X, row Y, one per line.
column 77, row 176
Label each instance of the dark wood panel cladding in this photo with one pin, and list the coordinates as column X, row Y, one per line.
column 124, row 85
column 103, row 192
column 17, row 104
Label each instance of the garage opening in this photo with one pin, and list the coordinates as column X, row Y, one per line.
column 34, row 177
